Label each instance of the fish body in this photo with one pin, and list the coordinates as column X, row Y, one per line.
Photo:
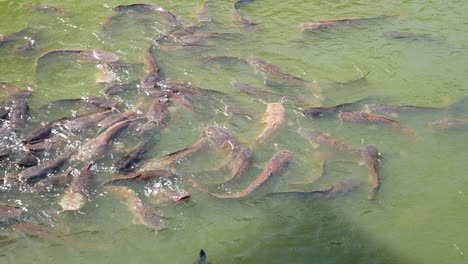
column 33, row 174
column 133, row 157
column 274, row 119
column 74, row 197
column 97, row 146
column 320, row 138
column 9, row 212
column 327, row 24
column 372, row 118
column 142, row 213
column 142, row 176
column 273, row 167
column 371, row 155
column 157, row 113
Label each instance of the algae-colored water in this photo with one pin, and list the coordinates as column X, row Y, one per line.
column 420, row 212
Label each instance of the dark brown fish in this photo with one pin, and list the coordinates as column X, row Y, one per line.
column 153, row 75
column 74, row 198
column 91, row 54
column 325, row 111
column 273, row 167
column 449, row 123
column 117, row 88
column 327, row 24
column 28, row 160
column 19, row 108
column 96, row 147
column 168, row 16
column 9, row 212
column 274, row 119
column 371, row 155
column 133, row 157
column 141, row 176
column 116, row 118
column 38, row 147
column 33, row 174
column 371, row 118
column 41, row 133
column 100, row 102
column 236, row 12
column 142, row 213
column 320, row 138
column 86, row 121
column 48, row 184
column 157, row 113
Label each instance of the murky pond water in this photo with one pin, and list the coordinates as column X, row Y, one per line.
column 419, row 213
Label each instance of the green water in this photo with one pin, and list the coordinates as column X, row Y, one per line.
column 420, row 214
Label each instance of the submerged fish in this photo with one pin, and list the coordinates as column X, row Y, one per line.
column 74, row 197
column 168, row 16
column 372, row 118
column 133, row 157
column 337, row 189
column 236, row 12
column 274, row 119
column 393, row 110
column 47, row 184
column 141, row 176
column 86, row 121
column 239, row 165
column 371, row 155
column 320, row 138
column 142, row 213
column 19, row 108
column 409, row 36
column 96, row 147
column 257, row 92
column 38, row 172
column 91, row 54
column 327, row 24
column 449, row 123
column 153, row 75
column 9, row 212
column 273, row 167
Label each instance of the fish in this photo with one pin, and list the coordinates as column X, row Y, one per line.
column 133, row 157
column 202, row 14
column 142, row 213
column 320, row 138
column 47, row 184
column 97, row 147
column 41, row 133
column 174, row 157
column 28, row 160
column 9, row 212
column 157, row 113
column 85, row 121
column 239, row 165
column 117, row 88
column 223, row 59
column 404, row 35
column 153, row 75
column 116, row 118
column 327, row 24
column 273, row 167
column 26, row 46
column 202, row 38
column 394, row 110
column 48, row 8
column 74, row 198
column 19, row 108
column 332, row 191
column 323, row 111
column 141, row 176
column 364, row 117
column 100, row 102
column 236, row 12
column 33, row 174
column 167, row 15
column 4, row 152
column 38, row 147
column 274, row 119
column 14, row 36
column 96, row 55
column 371, row 155
column 222, row 138
column 449, row 123
column 257, row 92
